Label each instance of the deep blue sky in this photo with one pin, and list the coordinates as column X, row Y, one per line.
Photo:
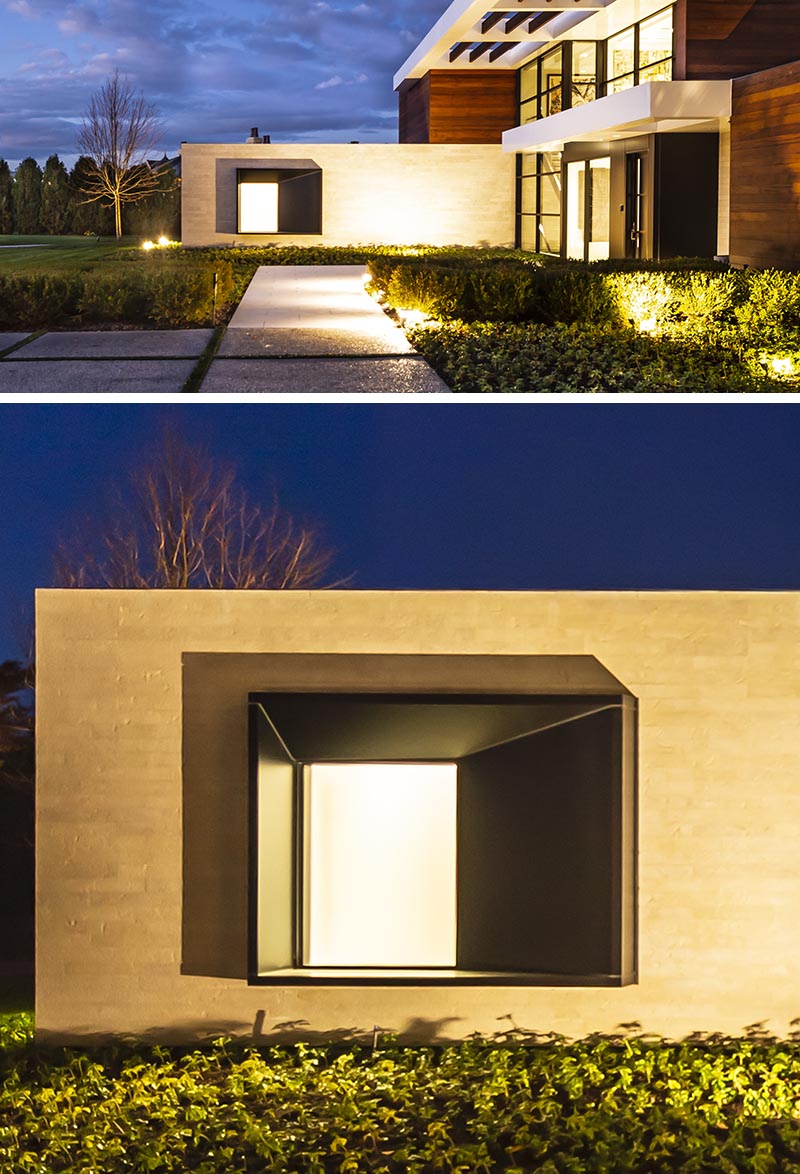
column 317, row 71
column 496, row 495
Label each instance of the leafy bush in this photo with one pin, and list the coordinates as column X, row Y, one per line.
column 600, row 1105
column 37, row 299
column 499, row 358
column 772, row 306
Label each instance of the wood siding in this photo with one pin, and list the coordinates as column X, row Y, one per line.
column 415, row 104
column 765, row 168
column 459, row 106
column 732, row 38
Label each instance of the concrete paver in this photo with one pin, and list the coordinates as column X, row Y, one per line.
column 7, row 339
column 116, row 344
column 23, row 377
column 323, row 376
column 289, row 343
column 327, row 304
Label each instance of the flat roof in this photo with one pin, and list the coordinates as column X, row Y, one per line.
column 480, row 34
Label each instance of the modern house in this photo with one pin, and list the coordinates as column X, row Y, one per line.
column 301, row 814
column 581, row 128
column 641, row 128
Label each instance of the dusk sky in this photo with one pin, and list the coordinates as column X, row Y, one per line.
column 491, row 496
column 300, row 72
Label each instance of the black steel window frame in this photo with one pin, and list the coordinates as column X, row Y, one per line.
column 636, row 72
column 621, row 893
column 601, row 68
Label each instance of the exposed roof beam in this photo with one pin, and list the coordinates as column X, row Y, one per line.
column 479, row 50
column 536, row 22
column 499, row 49
column 490, row 20
column 516, row 20
column 457, row 50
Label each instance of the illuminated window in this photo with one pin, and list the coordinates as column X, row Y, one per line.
column 258, row 207
column 450, row 838
column 279, row 197
column 379, row 864
column 641, row 53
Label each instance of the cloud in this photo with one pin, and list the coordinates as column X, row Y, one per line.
column 320, row 71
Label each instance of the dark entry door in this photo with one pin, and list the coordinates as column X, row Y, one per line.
column 634, row 206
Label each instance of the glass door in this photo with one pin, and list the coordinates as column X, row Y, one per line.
column 634, row 206
column 589, row 209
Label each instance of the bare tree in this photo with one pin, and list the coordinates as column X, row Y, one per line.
column 119, row 131
column 184, row 522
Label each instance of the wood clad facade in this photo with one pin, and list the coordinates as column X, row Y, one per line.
column 414, row 110
column 459, row 106
column 731, row 38
column 765, row 168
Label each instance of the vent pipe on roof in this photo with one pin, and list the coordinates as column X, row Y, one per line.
column 255, row 137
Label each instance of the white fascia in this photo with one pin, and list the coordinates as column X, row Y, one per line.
column 461, row 22
column 646, row 109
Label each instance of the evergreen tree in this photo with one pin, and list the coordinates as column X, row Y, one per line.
column 28, row 197
column 56, row 197
column 89, row 218
column 6, row 198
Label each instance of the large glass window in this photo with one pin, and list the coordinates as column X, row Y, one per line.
column 655, row 48
column 641, row 53
column 540, row 203
column 567, row 75
column 583, row 86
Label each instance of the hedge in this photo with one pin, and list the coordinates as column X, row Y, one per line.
column 158, row 292
column 542, row 1104
column 761, row 305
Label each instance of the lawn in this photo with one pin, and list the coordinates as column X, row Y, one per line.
column 58, row 252
column 526, row 1105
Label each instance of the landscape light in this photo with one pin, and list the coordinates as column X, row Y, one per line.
column 780, row 365
column 162, row 240
column 148, row 245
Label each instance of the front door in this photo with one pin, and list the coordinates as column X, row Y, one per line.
column 634, row 206
column 588, row 209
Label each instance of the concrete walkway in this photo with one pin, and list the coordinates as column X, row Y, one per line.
column 299, row 329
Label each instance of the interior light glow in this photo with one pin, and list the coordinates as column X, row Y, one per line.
column 379, row 850
column 258, row 207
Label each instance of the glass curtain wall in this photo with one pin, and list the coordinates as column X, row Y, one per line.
column 540, row 203
column 642, row 53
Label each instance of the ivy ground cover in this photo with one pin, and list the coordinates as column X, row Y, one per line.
column 545, row 1106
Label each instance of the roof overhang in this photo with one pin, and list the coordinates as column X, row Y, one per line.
column 481, row 34
column 647, row 109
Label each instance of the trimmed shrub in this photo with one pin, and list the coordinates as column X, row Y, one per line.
column 32, row 300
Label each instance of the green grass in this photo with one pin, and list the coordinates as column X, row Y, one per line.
column 59, row 253
column 599, row 1106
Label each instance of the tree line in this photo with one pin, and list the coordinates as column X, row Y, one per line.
column 52, row 201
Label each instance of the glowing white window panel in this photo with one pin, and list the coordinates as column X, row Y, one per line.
column 258, row 207
column 380, row 864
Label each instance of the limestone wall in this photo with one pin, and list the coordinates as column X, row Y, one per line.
column 391, row 193
column 717, row 676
